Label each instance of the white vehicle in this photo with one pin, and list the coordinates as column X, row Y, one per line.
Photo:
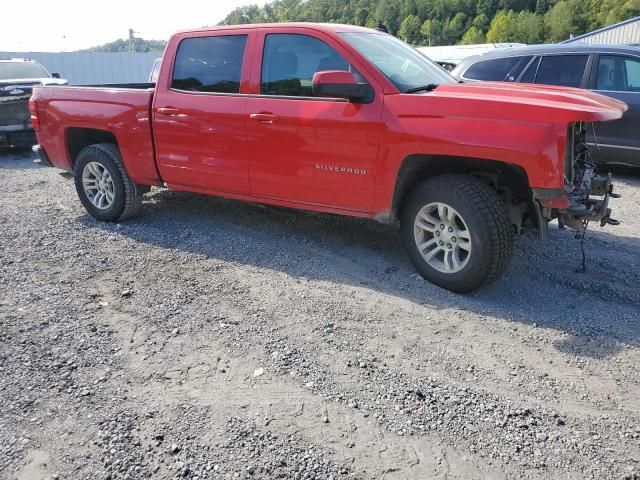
column 449, row 56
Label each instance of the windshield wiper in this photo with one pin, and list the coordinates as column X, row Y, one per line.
column 425, row 88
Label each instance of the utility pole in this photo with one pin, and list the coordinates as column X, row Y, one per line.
column 132, row 45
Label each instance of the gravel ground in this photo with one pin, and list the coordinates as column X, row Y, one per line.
column 214, row 339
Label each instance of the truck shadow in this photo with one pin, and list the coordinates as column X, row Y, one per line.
column 599, row 311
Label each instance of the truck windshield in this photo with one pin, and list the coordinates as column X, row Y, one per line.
column 21, row 70
column 405, row 67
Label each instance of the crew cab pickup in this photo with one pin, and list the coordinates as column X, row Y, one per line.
column 338, row 119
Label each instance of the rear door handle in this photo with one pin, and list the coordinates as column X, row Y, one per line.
column 171, row 111
column 264, row 117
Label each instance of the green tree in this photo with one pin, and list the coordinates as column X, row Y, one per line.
column 542, row 6
column 268, row 14
column 613, row 11
column 455, row 28
column 468, row 7
column 408, row 8
column 517, row 5
column 481, row 22
column 566, row 18
column 503, row 28
column 424, row 8
column 487, row 7
column 389, row 14
column 371, row 22
column 529, row 28
column 443, row 9
column 448, row 21
column 122, row 45
column 631, row 9
column 473, row 36
column 361, row 15
column 410, row 30
column 431, row 30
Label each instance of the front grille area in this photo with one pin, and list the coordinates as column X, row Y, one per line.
column 14, row 110
column 577, row 153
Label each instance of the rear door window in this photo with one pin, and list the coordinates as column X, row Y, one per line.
column 209, row 64
column 497, row 69
column 618, row 73
column 562, row 70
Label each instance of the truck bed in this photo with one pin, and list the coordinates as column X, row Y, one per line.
column 99, row 111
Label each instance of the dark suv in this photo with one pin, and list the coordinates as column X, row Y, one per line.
column 612, row 70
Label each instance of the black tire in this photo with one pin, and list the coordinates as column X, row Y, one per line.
column 490, row 230
column 127, row 200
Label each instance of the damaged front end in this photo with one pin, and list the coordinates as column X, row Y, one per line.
column 586, row 193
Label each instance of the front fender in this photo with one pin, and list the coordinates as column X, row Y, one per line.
column 536, row 147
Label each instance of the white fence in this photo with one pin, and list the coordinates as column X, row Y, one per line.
column 91, row 68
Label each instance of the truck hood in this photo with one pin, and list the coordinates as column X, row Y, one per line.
column 532, row 103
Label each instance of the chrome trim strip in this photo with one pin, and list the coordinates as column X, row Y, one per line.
column 259, row 95
column 623, row 147
column 612, row 91
column 102, row 87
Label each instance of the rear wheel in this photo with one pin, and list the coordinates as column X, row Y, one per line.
column 102, row 183
column 457, row 232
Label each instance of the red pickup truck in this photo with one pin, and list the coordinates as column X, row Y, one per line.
column 337, row 119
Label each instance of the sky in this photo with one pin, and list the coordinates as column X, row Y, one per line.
column 67, row 25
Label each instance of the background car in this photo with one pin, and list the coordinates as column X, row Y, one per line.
column 612, row 70
column 448, row 57
column 18, row 76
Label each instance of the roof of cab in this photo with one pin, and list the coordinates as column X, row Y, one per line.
column 327, row 27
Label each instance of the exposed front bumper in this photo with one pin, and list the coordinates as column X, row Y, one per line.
column 589, row 202
column 43, row 158
column 591, row 209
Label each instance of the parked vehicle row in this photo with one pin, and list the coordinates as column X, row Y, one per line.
column 612, row 70
column 18, row 76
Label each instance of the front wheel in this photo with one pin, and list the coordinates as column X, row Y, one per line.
column 457, row 232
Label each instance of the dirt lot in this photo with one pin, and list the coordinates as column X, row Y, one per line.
column 214, row 339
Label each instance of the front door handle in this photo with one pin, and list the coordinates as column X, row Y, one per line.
column 171, row 111
column 264, row 117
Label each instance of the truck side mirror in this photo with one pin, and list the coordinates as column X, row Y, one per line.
column 340, row 84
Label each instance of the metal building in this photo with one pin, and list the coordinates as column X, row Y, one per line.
column 91, row 68
column 623, row 33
